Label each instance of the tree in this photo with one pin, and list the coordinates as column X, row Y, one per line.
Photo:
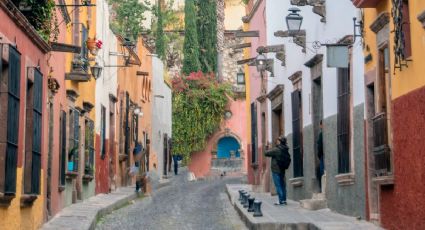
column 160, row 39
column 129, row 18
column 207, row 35
column 191, row 46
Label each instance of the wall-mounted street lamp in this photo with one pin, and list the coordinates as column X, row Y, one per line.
column 240, row 77
column 294, row 20
column 127, row 46
column 96, row 71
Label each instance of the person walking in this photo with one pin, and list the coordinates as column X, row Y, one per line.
column 280, row 162
column 320, row 155
column 176, row 159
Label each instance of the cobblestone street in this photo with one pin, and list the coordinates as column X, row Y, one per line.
column 181, row 205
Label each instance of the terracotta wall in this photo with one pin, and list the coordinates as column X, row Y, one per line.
column 13, row 216
column 402, row 205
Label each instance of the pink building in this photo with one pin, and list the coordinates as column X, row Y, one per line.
column 258, row 166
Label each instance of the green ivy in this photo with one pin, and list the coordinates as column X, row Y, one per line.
column 199, row 103
column 41, row 15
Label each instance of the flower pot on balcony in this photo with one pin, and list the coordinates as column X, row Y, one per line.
column 91, row 44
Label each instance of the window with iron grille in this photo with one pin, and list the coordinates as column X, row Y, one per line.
column 254, row 135
column 297, row 133
column 103, row 132
column 74, row 139
column 343, row 126
column 32, row 168
column 62, row 148
column 10, row 78
column 89, row 148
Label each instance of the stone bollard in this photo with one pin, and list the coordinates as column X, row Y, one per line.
column 251, row 204
column 240, row 195
column 243, row 197
column 245, row 205
column 257, row 208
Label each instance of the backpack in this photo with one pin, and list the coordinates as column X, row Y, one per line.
column 285, row 161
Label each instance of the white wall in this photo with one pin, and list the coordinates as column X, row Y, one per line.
column 107, row 83
column 161, row 111
column 339, row 23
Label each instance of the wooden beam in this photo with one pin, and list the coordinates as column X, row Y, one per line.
column 245, row 34
column 245, row 61
column 142, row 73
column 67, row 48
column 241, row 46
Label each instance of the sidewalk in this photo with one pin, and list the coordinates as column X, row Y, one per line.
column 291, row 216
column 84, row 215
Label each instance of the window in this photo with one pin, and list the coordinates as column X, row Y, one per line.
column 89, row 148
column 254, row 136
column 297, row 133
column 84, row 49
column 10, row 76
column 406, row 29
column 135, row 128
column 74, row 139
column 103, row 132
column 33, row 133
column 62, row 148
column 127, row 124
column 343, row 126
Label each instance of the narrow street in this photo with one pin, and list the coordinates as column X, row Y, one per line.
column 180, row 205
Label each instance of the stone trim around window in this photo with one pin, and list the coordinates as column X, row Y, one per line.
column 297, row 181
column 380, row 22
column 345, row 179
column 384, row 180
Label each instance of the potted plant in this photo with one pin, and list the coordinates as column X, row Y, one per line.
column 71, row 157
column 91, row 43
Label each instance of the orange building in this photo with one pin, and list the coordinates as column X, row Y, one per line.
column 134, row 113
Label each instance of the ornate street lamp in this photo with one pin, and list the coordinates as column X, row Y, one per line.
column 96, row 70
column 261, row 62
column 294, row 20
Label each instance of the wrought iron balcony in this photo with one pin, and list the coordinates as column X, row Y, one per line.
column 381, row 150
column 366, row 3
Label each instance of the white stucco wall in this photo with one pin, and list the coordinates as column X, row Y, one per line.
column 161, row 111
column 107, row 83
column 339, row 23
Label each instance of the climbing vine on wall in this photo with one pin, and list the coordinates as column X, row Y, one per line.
column 199, row 103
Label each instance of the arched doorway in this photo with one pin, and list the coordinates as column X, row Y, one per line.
column 227, row 144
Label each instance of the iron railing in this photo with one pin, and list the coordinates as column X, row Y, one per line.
column 381, row 150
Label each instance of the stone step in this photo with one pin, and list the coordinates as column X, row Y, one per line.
column 318, row 196
column 314, row 204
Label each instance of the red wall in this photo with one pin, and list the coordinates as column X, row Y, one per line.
column 102, row 168
column 403, row 206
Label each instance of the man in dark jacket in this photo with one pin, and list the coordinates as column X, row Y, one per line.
column 278, row 173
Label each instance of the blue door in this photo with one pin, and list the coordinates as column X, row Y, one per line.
column 225, row 145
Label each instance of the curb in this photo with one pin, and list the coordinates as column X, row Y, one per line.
column 70, row 219
column 267, row 225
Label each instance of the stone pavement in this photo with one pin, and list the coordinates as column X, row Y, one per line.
column 84, row 215
column 291, row 216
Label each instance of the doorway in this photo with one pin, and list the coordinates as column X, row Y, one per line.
column 317, row 116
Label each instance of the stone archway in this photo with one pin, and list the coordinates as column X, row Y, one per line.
column 227, row 152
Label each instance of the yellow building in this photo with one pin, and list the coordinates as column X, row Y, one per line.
column 395, row 91
column 79, row 112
